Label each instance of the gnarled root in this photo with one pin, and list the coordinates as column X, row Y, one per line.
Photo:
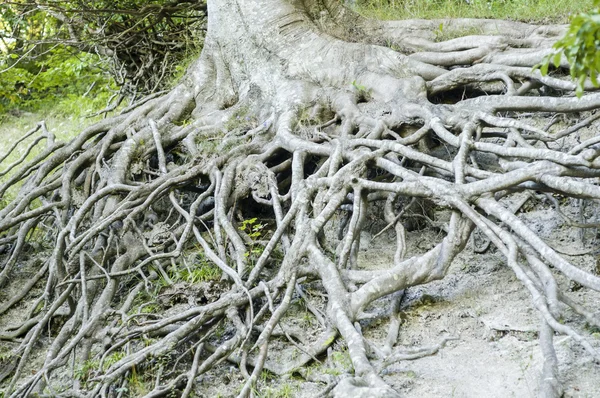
column 148, row 206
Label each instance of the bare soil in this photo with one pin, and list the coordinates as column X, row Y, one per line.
column 480, row 302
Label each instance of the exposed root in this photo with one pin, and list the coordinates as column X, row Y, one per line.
column 139, row 207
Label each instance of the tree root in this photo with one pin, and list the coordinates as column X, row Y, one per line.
column 143, row 203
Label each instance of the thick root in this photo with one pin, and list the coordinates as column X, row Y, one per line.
column 191, row 187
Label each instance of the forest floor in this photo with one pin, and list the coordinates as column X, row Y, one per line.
column 481, row 303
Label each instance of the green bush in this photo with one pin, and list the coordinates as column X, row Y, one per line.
column 581, row 47
column 140, row 41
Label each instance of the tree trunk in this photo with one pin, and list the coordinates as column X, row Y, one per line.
column 297, row 118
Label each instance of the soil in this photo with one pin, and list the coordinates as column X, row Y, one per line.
column 480, row 302
column 484, row 305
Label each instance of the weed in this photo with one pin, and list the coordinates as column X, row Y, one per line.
column 149, row 308
column 136, row 385
column 341, row 359
column 86, row 370
column 393, row 46
column 202, row 272
column 200, row 269
column 112, row 359
column 332, row 371
column 307, row 319
column 593, row 329
column 286, row 390
column 148, row 341
column 364, row 94
column 5, row 354
column 254, row 229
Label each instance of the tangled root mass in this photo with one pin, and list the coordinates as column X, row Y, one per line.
column 259, row 173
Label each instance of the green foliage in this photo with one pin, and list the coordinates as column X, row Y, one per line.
column 580, row 47
column 5, row 354
column 51, row 49
column 358, row 87
column 201, row 272
column 339, row 363
column 60, row 78
column 285, row 390
column 199, row 269
column 254, row 229
column 342, row 359
column 137, row 385
column 439, row 32
column 85, row 371
column 364, row 94
column 112, row 359
column 149, row 308
column 38, row 70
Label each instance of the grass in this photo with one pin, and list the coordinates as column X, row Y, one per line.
column 540, row 11
column 64, row 118
column 204, row 272
column 263, row 389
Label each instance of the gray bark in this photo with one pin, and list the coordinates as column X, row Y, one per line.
column 310, row 116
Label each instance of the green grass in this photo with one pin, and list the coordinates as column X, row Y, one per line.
column 541, row 11
column 65, row 118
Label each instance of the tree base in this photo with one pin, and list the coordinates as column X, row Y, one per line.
column 228, row 186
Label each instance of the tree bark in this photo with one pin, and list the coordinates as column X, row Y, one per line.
column 313, row 117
